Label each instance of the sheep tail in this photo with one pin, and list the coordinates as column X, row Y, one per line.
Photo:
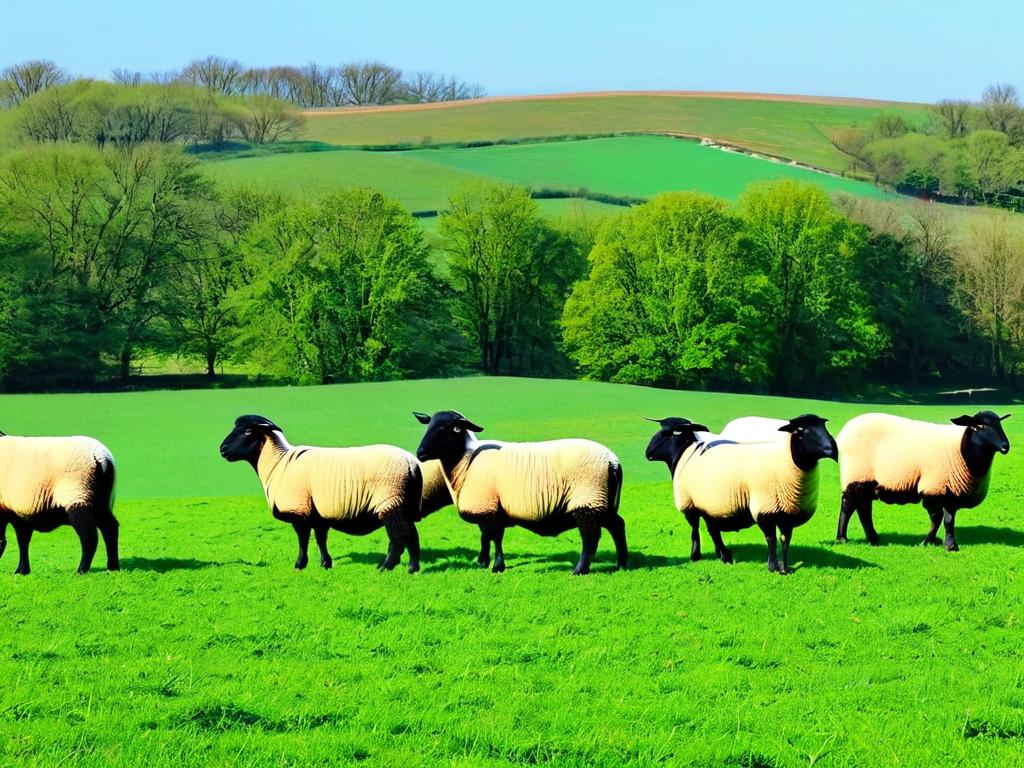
column 614, row 487
column 105, row 483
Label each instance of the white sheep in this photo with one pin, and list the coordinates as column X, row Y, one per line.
column 353, row 490
column 546, row 487
column 903, row 461
column 46, row 482
column 731, row 486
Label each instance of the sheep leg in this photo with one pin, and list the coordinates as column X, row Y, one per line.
column 3, row 535
column 590, row 533
column 721, row 551
column 24, row 535
column 846, row 509
column 320, row 532
column 85, row 526
column 949, row 521
column 397, row 528
column 302, row 532
column 484, row 558
column 867, row 522
column 617, row 528
column 108, row 526
column 693, row 518
column 786, row 534
column 498, row 536
column 935, row 515
column 492, row 529
column 768, row 529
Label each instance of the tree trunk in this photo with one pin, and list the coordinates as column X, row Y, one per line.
column 126, row 363
column 211, row 362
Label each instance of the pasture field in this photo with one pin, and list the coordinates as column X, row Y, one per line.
column 209, row 649
column 633, row 166
column 798, row 130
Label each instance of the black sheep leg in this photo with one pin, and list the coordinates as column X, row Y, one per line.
column 768, row 529
column 302, row 531
column 934, row 510
column 24, row 534
column 949, row 521
column 590, row 533
column 3, row 535
column 786, row 534
column 617, row 528
column 109, row 526
column 484, row 558
column 397, row 528
column 721, row 551
column 320, row 531
column 866, row 521
column 846, row 509
column 84, row 523
column 494, row 530
column 412, row 544
column 693, row 518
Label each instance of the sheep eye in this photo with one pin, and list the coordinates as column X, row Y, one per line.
column 456, row 430
column 248, row 431
column 677, row 434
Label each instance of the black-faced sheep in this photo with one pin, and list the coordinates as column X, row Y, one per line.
column 903, row 461
column 46, row 482
column 353, row 490
column 546, row 487
column 736, row 485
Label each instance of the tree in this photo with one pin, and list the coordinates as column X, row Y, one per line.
column 1001, row 109
column 263, row 119
column 20, row 81
column 995, row 166
column 369, row 82
column 671, row 300
column 852, row 143
column 216, row 74
column 428, row 87
column 955, row 115
column 510, row 274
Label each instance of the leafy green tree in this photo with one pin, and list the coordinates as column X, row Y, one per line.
column 671, row 299
column 340, row 290
column 510, row 273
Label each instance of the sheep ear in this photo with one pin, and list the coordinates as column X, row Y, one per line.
column 697, row 428
column 422, row 418
column 469, row 425
column 1001, row 418
column 964, row 421
column 790, row 427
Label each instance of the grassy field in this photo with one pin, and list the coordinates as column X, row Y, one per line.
column 635, row 166
column 795, row 130
column 208, row 649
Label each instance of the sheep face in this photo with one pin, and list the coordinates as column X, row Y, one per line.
column 446, row 436
column 810, row 441
column 674, row 437
column 245, row 441
column 985, row 432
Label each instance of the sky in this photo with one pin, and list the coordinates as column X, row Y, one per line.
column 886, row 49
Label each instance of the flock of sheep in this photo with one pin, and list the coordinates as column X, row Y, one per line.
column 757, row 471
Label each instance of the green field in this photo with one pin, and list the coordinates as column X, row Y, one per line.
column 635, row 166
column 795, row 130
column 209, row 649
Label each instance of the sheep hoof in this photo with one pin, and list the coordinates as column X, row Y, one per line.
column 726, row 557
column 580, row 571
column 326, row 563
column 300, row 565
column 499, row 567
column 694, row 557
column 414, row 567
column 483, row 563
column 114, row 565
column 22, row 571
column 930, row 541
column 952, row 547
column 387, row 565
column 784, row 571
column 875, row 541
column 842, row 540
column 82, row 571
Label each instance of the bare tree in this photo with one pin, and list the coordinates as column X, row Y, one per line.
column 431, row 87
column 20, row 81
column 370, row 82
column 1001, row 108
column 954, row 114
column 266, row 119
column 852, row 143
column 127, row 77
column 315, row 86
column 217, row 74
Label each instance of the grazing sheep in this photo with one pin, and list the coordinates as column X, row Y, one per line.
column 772, row 484
column 547, row 487
column 46, row 482
column 353, row 490
column 902, row 461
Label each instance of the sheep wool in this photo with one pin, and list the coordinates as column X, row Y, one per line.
column 42, row 473
column 339, row 483
column 435, row 489
column 727, row 479
column 752, row 429
column 530, row 481
column 907, row 456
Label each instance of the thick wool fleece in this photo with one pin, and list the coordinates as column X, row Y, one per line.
column 42, row 473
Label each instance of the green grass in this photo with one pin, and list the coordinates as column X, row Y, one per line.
column 208, row 649
column 790, row 129
column 635, row 166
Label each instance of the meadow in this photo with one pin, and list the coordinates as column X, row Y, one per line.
column 798, row 130
column 209, row 649
column 633, row 167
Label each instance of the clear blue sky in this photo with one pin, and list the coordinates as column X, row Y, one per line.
column 910, row 50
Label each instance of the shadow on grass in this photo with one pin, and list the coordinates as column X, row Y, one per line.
column 965, row 535
column 433, row 560
column 801, row 556
column 165, row 564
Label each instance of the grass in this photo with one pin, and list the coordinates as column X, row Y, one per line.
column 799, row 131
column 208, row 649
column 636, row 166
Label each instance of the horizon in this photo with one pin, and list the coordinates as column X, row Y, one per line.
column 925, row 44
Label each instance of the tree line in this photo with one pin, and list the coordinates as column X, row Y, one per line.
column 959, row 151
column 307, row 86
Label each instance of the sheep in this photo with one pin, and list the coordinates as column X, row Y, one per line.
column 46, row 482
column 546, row 487
column 903, row 461
column 353, row 490
column 753, row 429
column 772, row 484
